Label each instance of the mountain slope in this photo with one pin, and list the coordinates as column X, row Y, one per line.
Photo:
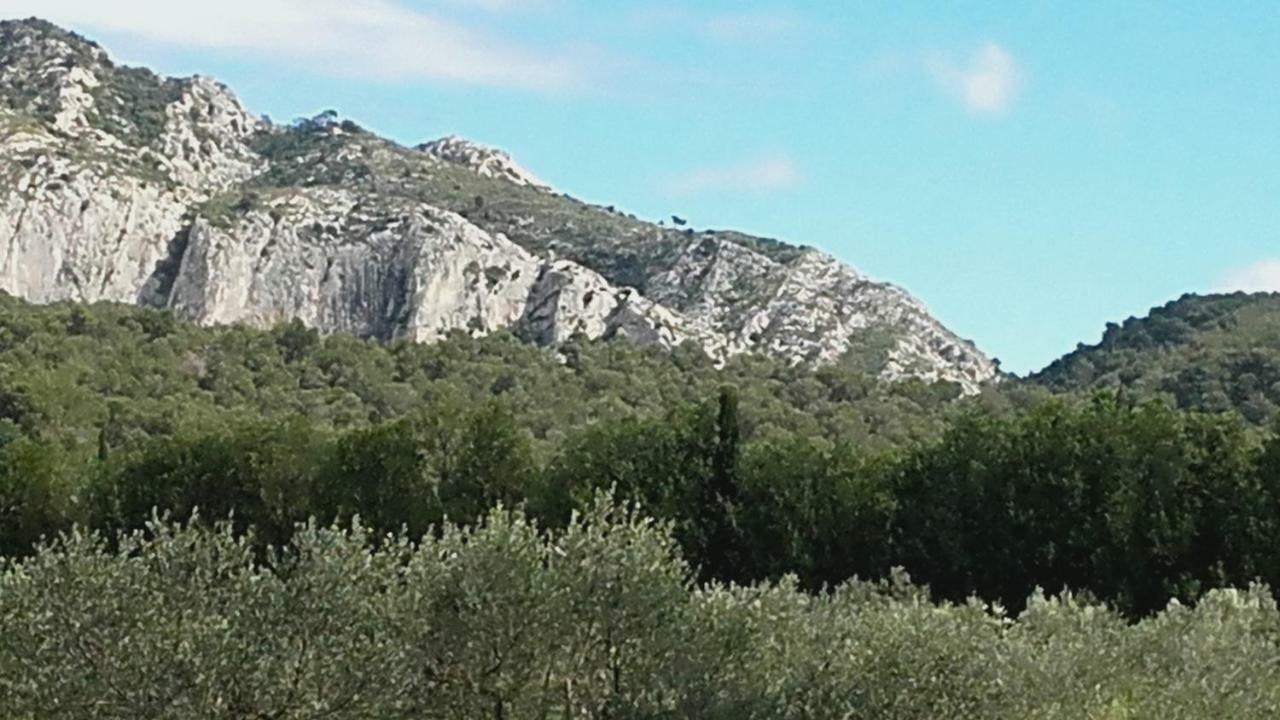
column 67, row 370
column 120, row 185
column 1214, row 352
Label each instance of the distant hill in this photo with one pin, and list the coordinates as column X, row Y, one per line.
column 1212, row 352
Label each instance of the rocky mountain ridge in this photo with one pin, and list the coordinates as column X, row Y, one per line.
column 119, row 185
column 485, row 161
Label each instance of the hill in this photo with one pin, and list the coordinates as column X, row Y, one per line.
column 1213, row 353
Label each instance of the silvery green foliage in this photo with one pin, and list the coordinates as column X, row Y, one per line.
column 185, row 623
column 503, row 620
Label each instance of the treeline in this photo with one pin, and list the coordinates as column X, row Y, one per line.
column 1135, row 504
column 503, row 621
column 69, row 371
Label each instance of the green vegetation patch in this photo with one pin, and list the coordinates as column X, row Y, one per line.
column 596, row 620
column 1213, row 353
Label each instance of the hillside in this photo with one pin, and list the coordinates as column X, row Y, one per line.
column 70, row 373
column 123, row 186
column 1212, row 353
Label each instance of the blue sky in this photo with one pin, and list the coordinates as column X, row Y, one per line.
column 1031, row 170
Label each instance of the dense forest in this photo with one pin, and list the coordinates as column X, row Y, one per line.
column 336, row 498
column 109, row 412
column 1214, row 353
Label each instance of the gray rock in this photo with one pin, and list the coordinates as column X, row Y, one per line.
column 484, row 161
column 119, row 185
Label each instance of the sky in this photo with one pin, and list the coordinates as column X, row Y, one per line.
column 1031, row 170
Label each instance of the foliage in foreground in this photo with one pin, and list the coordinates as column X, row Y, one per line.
column 599, row 620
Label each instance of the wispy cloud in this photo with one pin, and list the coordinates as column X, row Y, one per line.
column 988, row 82
column 752, row 26
column 740, row 27
column 378, row 39
column 503, row 5
column 1262, row 276
column 766, row 174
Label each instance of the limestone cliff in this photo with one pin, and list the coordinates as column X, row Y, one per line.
column 119, row 185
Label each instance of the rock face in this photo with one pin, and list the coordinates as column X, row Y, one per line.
column 419, row 277
column 485, row 161
column 118, row 185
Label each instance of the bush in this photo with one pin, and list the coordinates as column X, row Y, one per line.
column 504, row 620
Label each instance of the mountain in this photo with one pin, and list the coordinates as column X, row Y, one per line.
column 124, row 186
column 1212, row 352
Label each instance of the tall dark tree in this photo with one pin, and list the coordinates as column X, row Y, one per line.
column 718, row 496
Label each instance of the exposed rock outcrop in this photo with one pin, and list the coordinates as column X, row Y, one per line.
column 119, row 185
column 484, row 161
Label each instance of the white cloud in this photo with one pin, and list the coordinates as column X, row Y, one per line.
column 503, row 5
column 379, row 39
column 751, row 26
column 987, row 83
column 1262, row 276
column 766, row 174
column 745, row 26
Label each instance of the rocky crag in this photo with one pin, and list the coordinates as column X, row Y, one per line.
column 120, row 185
